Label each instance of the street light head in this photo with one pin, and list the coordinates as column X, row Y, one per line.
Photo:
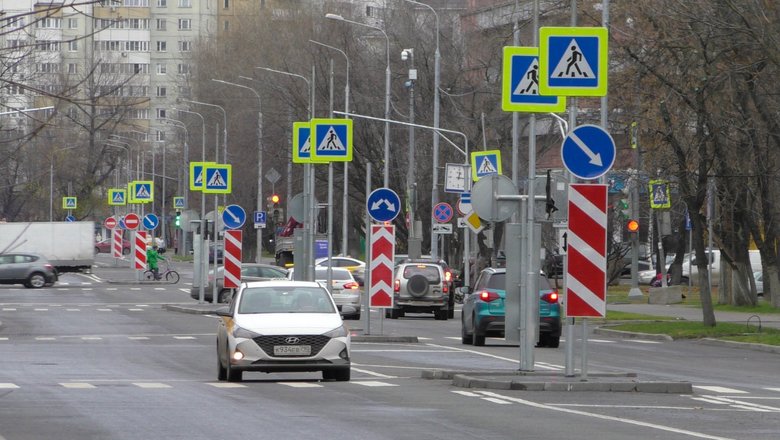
column 334, row 17
column 404, row 55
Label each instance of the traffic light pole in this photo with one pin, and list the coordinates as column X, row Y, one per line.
column 635, row 291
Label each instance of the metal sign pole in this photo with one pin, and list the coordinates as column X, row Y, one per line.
column 367, row 275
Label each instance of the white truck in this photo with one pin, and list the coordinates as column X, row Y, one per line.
column 69, row 246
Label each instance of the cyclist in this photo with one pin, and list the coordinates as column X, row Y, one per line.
column 152, row 257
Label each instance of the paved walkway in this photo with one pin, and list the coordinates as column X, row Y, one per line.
column 694, row 313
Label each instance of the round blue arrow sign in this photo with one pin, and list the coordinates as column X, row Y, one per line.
column 588, row 152
column 70, row 218
column 151, row 221
column 383, row 204
column 233, row 216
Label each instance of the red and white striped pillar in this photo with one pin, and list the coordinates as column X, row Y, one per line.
column 232, row 260
column 381, row 264
column 116, row 243
column 140, row 250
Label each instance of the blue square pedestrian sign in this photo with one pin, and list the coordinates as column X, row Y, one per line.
column 573, row 61
column 217, row 178
column 143, row 191
column 178, row 202
column 485, row 163
column 332, row 140
column 196, row 175
column 520, row 84
column 659, row 194
column 69, row 203
column 301, row 140
column 116, row 197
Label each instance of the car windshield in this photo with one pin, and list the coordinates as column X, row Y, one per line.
column 431, row 273
column 498, row 281
column 285, row 299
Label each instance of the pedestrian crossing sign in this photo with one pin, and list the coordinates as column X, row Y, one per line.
column 485, row 163
column 217, row 178
column 520, row 84
column 116, row 197
column 196, row 175
column 659, row 194
column 69, row 203
column 142, row 191
column 573, row 61
column 178, row 202
column 332, row 140
column 301, row 140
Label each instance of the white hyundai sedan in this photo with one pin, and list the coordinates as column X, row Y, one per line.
column 282, row 326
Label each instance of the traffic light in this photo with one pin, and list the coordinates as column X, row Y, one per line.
column 275, row 199
column 622, row 205
column 632, row 226
column 177, row 221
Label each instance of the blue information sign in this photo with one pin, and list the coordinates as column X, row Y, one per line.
column 233, row 216
column 383, row 204
column 261, row 218
column 70, row 218
column 588, row 152
column 151, row 221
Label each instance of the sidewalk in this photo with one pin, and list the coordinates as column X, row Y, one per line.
column 694, row 313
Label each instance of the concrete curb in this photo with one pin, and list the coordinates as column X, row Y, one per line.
column 206, row 309
column 537, row 381
column 631, row 335
column 742, row 345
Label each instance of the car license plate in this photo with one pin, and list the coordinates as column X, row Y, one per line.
column 292, row 350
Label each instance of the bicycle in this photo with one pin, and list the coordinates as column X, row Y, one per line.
column 169, row 274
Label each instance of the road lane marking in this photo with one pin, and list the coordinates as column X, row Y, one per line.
column 91, row 338
column 495, row 400
column 542, row 365
column 720, row 390
column 184, row 337
column 78, row 385
column 226, row 385
column 373, row 383
column 138, row 338
column 373, row 373
column 301, row 384
column 8, row 386
column 45, row 338
column 744, row 405
column 151, row 385
column 773, row 389
column 9, row 309
column 3, row 338
column 605, row 417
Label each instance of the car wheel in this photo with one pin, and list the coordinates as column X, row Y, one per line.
column 222, row 372
column 341, row 375
column 232, row 374
column 465, row 338
column 97, row 250
column 356, row 317
column 224, row 296
column 126, row 251
column 549, row 341
column 36, row 280
column 477, row 339
column 393, row 314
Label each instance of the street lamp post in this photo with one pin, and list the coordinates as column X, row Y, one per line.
column 185, row 164
column 51, row 180
column 259, row 241
column 436, row 110
column 308, row 187
column 413, row 242
column 345, row 195
column 387, row 90
column 200, row 272
column 224, row 140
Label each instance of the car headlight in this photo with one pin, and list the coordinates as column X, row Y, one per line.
column 338, row 332
column 239, row 332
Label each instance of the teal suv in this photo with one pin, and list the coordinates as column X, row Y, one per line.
column 483, row 309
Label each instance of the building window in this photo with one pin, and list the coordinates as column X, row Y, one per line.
column 136, row 3
column 48, row 23
column 73, row 23
column 160, row 135
column 161, row 69
column 185, row 3
column 48, row 68
column 184, row 69
column 73, row 68
column 161, row 113
column 226, row 25
column 48, row 46
column 162, row 46
column 185, row 24
column 73, row 45
column 185, row 46
column 161, row 91
column 162, row 3
column 227, row 4
column 161, row 24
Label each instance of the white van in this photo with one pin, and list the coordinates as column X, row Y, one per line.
column 715, row 260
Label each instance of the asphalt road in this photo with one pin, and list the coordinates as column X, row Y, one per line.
column 92, row 359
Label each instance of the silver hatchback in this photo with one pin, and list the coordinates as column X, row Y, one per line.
column 31, row 270
column 420, row 288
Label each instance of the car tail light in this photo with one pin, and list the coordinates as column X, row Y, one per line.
column 550, row 297
column 351, row 285
column 48, row 266
column 397, row 285
column 488, row 296
column 445, row 288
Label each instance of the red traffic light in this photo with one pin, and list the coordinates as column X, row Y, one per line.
column 632, row 226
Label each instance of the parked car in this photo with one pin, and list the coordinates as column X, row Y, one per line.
column 30, row 270
column 420, row 288
column 484, row 313
column 344, row 288
column 249, row 272
column 759, row 277
column 104, row 247
column 282, row 326
column 220, row 251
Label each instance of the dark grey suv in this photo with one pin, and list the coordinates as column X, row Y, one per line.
column 29, row 269
column 420, row 288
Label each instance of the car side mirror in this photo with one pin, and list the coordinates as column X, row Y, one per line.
column 223, row 311
column 348, row 310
